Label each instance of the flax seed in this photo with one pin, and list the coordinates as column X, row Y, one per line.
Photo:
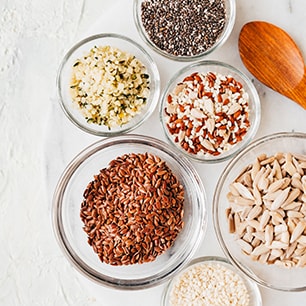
column 131, row 216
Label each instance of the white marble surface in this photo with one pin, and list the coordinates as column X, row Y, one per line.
column 37, row 141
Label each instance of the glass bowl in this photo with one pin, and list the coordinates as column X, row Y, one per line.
column 210, row 111
column 212, row 267
column 269, row 260
column 104, row 101
column 159, row 22
column 68, row 225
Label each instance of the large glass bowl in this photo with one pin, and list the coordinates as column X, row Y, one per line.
column 83, row 47
column 230, row 15
column 204, row 67
column 212, row 261
column 68, row 225
column 269, row 275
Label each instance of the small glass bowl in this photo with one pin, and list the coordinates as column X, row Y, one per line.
column 268, row 275
column 252, row 288
column 68, row 225
column 230, row 12
column 254, row 107
column 79, row 50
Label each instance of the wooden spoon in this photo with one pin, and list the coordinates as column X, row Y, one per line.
column 272, row 56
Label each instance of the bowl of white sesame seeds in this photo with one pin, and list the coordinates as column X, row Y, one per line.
column 184, row 30
column 108, row 84
column 210, row 111
column 212, row 281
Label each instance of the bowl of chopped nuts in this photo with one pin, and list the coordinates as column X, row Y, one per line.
column 259, row 210
column 129, row 212
column 108, row 84
column 213, row 281
column 184, row 30
column 210, row 111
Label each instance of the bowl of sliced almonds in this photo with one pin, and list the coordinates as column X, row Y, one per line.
column 259, row 211
column 210, row 111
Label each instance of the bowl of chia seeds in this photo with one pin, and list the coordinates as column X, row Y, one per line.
column 108, row 84
column 210, row 111
column 184, row 30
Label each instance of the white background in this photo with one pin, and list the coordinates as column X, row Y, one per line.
column 37, row 141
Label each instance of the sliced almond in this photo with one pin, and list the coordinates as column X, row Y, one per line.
column 245, row 212
column 302, row 261
column 209, row 106
column 245, row 246
column 254, row 212
column 255, row 169
column 179, row 88
column 285, row 237
column 293, row 206
column 278, row 229
column 196, row 113
column 296, row 181
column 248, row 237
column 276, row 185
column 259, row 250
column 259, row 235
column 272, row 195
column 299, row 251
column 302, row 240
column 297, row 232
column 210, row 124
column 243, row 201
column 276, row 218
column 278, row 245
column 208, row 145
column 263, row 258
column 234, row 108
column 241, row 228
column 295, row 214
column 293, row 195
column 257, row 196
column 256, row 242
column 288, row 166
column 171, row 108
column 280, row 199
column 269, row 232
column 243, row 191
column 276, row 252
column 264, row 219
column 276, row 170
column 231, row 223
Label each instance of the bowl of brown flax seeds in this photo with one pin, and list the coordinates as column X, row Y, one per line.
column 129, row 212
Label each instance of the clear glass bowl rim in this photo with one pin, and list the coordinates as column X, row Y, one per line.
column 222, row 39
column 214, row 259
column 253, row 93
column 155, row 79
column 216, row 223
column 72, row 256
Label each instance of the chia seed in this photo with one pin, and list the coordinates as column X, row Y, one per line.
column 183, row 28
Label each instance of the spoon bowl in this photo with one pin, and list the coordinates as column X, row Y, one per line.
column 273, row 57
